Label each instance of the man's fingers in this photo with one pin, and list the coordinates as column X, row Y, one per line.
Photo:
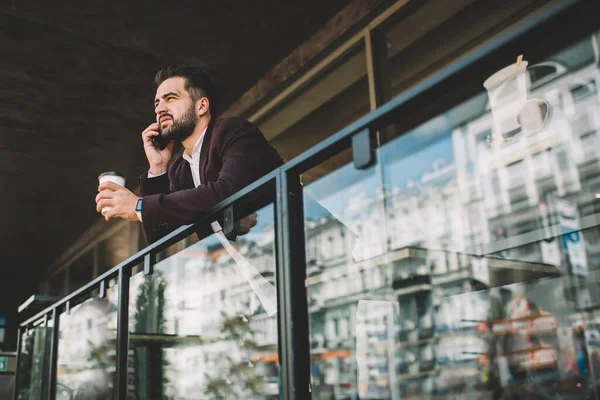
column 152, row 127
column 104, row 203
column 247, row 223
column 151, row 130
column 110, row 186
column 253, row 220
column 108, row 215
column 105, row 194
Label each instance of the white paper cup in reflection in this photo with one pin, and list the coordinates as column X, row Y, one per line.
column 507, row 91
column 111, row 176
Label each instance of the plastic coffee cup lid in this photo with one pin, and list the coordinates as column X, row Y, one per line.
column 111, row 173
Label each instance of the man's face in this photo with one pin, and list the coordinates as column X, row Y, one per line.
column 175, row 110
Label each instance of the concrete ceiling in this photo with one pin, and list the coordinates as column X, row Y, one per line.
column 76, row 92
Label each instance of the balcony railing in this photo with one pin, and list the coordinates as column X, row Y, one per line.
column 282, row 189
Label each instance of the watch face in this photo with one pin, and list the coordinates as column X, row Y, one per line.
column 138, row 205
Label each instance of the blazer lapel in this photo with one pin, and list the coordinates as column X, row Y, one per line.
column 204, row 151
column 187, row 180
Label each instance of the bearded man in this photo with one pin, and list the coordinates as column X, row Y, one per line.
column 220, row 157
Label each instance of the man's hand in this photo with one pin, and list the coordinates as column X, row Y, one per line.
column 158, row 159
column 247, row 223
column 119, row 198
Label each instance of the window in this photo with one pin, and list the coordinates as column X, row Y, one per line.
column 515, row 174
column 583, row 90
column 540, row 74
column 563, row 161
column 589, row 144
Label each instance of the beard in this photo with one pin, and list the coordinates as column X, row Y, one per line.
column 182, row 127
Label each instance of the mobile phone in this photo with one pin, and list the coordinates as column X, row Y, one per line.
column 159, row 140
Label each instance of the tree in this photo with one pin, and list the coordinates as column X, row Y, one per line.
column 149, row 318
column 234, row 375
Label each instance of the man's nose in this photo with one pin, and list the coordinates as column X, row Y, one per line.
column 160, row 108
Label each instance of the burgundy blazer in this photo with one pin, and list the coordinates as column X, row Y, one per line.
column 234, row 154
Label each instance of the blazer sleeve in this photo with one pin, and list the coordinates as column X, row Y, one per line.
column 155, row 185
column 151, row 186
column 245, row 156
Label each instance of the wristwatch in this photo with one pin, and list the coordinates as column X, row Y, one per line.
column 138, row 208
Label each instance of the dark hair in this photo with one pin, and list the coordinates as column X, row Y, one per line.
column 198, row 83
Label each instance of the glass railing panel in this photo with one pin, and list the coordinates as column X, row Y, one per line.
column 348, row 293
column 464, row 262
column 86, row 362
column 33, row 357
column 203, row 325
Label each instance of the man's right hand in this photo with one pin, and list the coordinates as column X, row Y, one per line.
column 158, row 159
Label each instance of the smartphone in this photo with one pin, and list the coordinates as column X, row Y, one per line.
column 159, row 140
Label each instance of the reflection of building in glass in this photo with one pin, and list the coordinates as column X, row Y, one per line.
column 86, row 350
column 488, row 216
column 217, row 341
column 511, row 190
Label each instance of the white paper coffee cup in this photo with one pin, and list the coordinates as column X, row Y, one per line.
column 111, row 176
column 507, row 92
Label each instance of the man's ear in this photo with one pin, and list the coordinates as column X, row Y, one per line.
column 202, row 106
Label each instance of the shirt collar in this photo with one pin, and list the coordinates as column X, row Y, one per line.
column 197, row 148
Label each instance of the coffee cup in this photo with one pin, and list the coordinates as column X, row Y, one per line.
column 111, row 176
column 507, row 92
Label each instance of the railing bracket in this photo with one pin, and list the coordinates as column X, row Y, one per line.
column 230, row 223
column 102, row 293
column 362, row 149
column 149, row 261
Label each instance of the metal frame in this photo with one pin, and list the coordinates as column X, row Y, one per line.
column 284, row 184
column 54, row 354
column 291, row 289
column 122, row 334
column 19, row 338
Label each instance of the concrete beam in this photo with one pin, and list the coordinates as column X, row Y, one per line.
column 347, row 19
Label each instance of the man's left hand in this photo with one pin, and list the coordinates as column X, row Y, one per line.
column 119, row 198
column 247, row 223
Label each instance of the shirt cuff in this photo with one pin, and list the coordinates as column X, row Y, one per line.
column 151, row 175
column 139, row 215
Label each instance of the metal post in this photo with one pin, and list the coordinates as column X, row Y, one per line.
column 46, row 360
column 291, row 290
column 122, row 334
column 53, row 354
column 16, row 387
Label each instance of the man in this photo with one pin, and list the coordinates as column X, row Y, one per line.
column 220, row 157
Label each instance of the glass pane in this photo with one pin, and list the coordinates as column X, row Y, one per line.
column 343, row 214
column 32, row 359
column 338, row 96
column 204, row 325
column 87, row 349
column 447, row 30
column 465, row 263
